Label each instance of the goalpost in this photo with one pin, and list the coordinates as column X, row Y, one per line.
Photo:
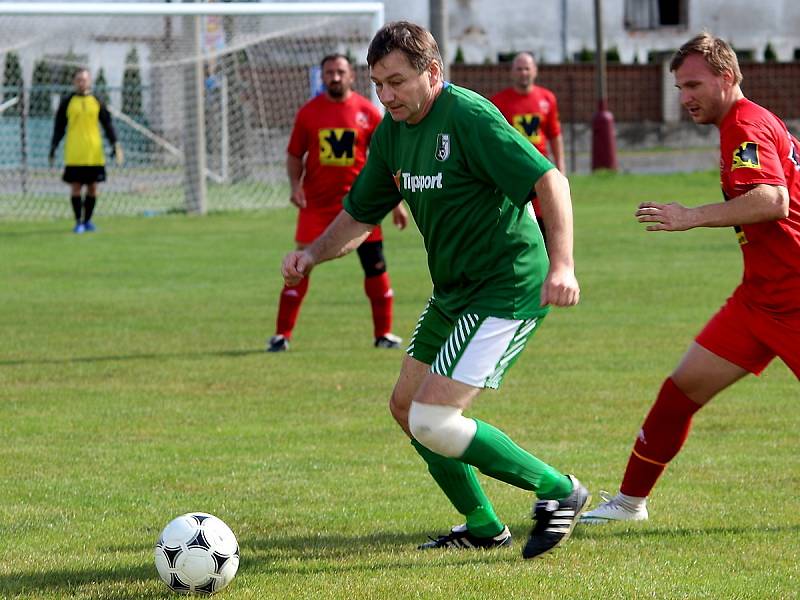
column 202, row 97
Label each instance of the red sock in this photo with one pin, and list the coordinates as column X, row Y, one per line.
column 381, row 296
column 289, row 307
column 661, row 437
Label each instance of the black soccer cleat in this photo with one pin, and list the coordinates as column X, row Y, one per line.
column 555, row 520
column 277, row 343
column 389, row 340
column 460, row 537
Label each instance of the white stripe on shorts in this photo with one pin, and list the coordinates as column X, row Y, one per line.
column 492, row 347
column 416, row 329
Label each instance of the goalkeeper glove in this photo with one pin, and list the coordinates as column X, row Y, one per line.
column 118, row 154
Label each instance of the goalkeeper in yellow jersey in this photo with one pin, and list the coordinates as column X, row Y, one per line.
column 79, row 116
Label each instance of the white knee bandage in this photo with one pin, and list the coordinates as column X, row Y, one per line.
column 441, row 429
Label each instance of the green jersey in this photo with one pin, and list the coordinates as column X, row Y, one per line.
column 468, row 178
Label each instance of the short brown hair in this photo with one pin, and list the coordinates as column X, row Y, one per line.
column 416, row 42
column 715, row 51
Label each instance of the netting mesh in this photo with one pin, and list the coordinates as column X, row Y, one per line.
column 210, row 94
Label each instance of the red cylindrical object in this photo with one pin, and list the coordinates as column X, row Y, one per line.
column 604, row 145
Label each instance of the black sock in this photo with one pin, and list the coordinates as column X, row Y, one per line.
column 76, row 207
column 89, row 205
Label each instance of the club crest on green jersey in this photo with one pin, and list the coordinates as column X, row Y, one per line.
column 442, row 147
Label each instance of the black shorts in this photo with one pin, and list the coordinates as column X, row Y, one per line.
column 84, row 174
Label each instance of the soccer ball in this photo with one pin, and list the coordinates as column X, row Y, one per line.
column 197, row 553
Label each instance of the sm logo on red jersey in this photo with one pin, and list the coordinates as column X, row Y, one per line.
column 528, row 125
column 745, row 156
column 337, row 147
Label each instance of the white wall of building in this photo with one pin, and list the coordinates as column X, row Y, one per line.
column 484, row 28
column 558, row 29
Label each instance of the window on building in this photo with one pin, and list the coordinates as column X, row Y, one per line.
column 653, row 14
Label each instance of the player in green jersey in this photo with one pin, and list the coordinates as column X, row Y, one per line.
column 468, row 178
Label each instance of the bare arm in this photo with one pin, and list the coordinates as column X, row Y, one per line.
column 557, row 148
column 294, row 169
column 343, row 235
column 762, row 203
column 560, row 288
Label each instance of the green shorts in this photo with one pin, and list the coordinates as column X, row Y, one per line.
column 473, row 349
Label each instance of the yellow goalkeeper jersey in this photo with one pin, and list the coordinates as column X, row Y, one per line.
column 80, row 117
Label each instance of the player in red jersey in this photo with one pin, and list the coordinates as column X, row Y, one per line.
column 533, row 111
column 760, row 176
column 327, row 149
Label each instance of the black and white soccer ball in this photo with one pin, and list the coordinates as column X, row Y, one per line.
column 197, row 553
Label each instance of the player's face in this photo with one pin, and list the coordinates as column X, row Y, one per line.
column 82, row 82
column 702, row 92
column 406, row 94
column 337, row 77
column 523, row 72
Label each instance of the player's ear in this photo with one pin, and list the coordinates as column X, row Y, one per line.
column 728, row 76
column 434, row 72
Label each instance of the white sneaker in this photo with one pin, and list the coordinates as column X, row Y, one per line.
column 618, row 508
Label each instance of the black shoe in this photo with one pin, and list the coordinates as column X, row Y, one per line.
column 460, row 537
column 555, row 520
column 277, row 343
column 388, row 341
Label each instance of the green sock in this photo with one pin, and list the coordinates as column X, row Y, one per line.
column 460, row 484
column 496, row 455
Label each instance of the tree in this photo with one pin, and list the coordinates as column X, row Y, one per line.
column 101, row 87
column 235, row 65
column 584, row 56
column 132, row 86
column 769, row 53
column 12, row 84
column 744, row 54
column 41, row 90
column 612, row 55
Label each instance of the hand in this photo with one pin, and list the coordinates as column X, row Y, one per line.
column 560, row 288
column 667, row 217
column 400, row 216
column 51, row 160
column 298, row 198
column 295, row 266
column 118, row 154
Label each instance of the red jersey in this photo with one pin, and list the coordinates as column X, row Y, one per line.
column 333, row 137
column 534, row 115
column 756, row 148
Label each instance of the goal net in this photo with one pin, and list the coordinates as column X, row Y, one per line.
column 202, row 97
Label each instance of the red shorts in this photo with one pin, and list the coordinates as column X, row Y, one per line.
column 311, row 224
column 751, row 338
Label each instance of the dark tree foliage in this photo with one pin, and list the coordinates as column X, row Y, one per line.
column 41, row 90
column 12, row 84
column 101, row 87
column 132, row 86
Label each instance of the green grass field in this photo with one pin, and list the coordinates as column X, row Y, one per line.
column 149, row 192
column 134, row 387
